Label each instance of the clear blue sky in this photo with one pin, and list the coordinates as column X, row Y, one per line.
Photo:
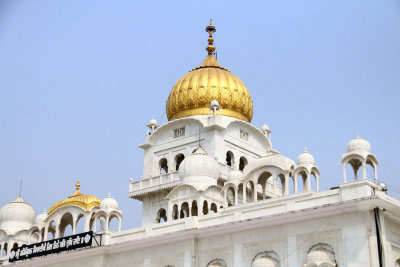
column 79, row 80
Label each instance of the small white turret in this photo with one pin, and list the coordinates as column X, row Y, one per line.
column 306, row 168
column 109, row 204
column 152, row 126
column 359, row 155
column 199, row 170
column 214, row 107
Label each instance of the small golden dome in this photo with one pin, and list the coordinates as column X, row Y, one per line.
column 193, row 93
column 86, row 202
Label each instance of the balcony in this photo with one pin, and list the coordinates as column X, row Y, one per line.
column 152, row 184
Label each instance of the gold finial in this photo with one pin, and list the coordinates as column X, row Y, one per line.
column 77, row 185
column 210, row 29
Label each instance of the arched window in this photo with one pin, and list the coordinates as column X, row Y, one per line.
column 65, row 226
column 80, row 224
column 15, row 246
column 213, row 207
column 321, row 254
column 230, row 160
column 242, row 163
column 205, row 207
column 267, row 258
column 240, row 194
column 194, row 210
column 249, row 191
column 51, row 231
column 230, row 196
column 161, row 216
column 281, row 182
column 5, row 249
column 356, row 164
column 100, row 224
column 175, row 212
column 397, row 264
column 163, row 166
column 113, row 223
column 184, row 210
column 217, row 263
column 302, row 176
column 264, row 188
column 178, row 159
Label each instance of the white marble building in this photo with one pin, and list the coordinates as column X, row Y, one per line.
column 215, row 193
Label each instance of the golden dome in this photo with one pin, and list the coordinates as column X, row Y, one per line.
column 86, row 202
column 193, row 93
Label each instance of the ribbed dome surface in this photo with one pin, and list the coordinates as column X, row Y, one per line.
column 358, row 144
column 305, row 158
column 17, row 215
column 199, row 169
column 86, row 202
column 109, row 203
column 192, row 94
column 41, row 218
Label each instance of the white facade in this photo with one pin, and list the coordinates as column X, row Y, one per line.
column 215, row 193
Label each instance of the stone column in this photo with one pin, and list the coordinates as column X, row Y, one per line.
column 286, row 191
column 95, row 225
column 244, row 193
column 375, row 174
column 236, row 196
column 255, row 192
column 308, row 182
column 57, row 233
column 344, row 173
column 46, row 232
column 107, row 224
column 74, row 226
column 364, row 171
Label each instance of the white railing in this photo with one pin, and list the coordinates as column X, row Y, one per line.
column 161, row 179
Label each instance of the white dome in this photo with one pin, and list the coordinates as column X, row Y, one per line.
column 199, row 170
column 17, row 215
column 153, row 122
column 265, row 128
column 214, row 103
column 235, row 175
column 358, row 144
column 41, row 218
column 109, row 203
column 305, row 158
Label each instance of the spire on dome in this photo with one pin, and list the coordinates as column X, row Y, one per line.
column 210, row 29
column 20, row 189
column 77, row 186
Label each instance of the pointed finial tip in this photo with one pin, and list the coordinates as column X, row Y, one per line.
column 77, row 185
column 305, row 148
column 358, row 135
column 210, row 29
